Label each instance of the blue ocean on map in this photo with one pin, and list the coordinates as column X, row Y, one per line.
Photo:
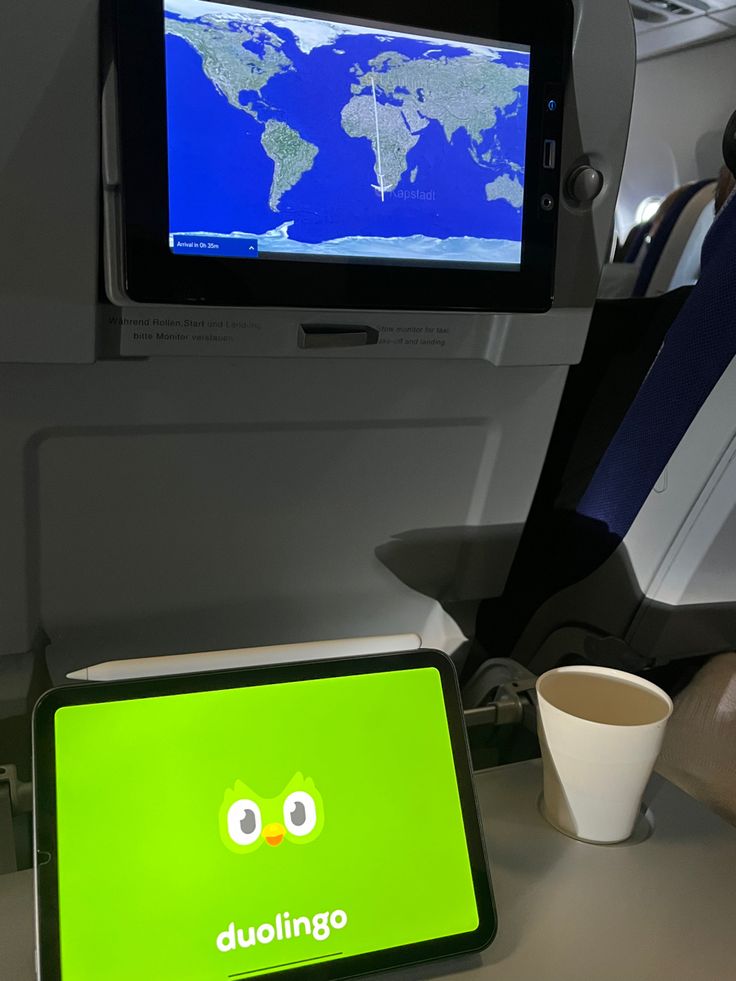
column 220, row 176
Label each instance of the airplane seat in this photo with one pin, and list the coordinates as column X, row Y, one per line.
column 679, row 260
column 617, row 280
column 687, row 269
column 665, row 245
column 633, row 568
column 618, row 277
column 624, row 339
column 663, row 253
column 634, row 244
column 682, row 377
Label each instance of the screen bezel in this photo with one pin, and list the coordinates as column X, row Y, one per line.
column 151, row 273
column 47, row 897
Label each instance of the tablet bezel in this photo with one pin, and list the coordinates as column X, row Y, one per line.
column 150, row 273
column 44, row 761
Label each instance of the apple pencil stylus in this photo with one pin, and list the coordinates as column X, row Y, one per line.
column 152, row 667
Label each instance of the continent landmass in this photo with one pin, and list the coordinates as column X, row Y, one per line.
column 505, row 188
column 387, row 129
column 461, row 93
column 230, row 66
column 462, row 249
column 292, row 157
column 233, row 69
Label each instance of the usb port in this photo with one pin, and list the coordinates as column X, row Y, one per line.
column 550, row 154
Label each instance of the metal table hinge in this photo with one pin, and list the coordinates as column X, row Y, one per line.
column 16, row 797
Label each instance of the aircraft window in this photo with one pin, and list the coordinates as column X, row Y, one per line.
column 646, row 210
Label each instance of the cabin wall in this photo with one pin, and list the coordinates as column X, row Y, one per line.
column 682, row 102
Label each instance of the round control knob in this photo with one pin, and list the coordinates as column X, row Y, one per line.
column 584, row 184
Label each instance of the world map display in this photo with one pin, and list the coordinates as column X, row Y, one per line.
column 302, row 137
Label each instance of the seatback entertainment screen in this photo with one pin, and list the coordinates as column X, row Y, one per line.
column 352, row 155
column 294, row 135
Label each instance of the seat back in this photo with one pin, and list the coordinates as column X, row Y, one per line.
column 641, row 565
column 682, row 251
column 656, row 526
column 687, row 270
column 634, row 251
column 662, row 235
column 698, row 348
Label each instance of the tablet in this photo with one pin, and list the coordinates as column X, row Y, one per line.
column 391, row 154
column 311, row 820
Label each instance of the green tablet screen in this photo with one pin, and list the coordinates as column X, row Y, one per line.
column 226, row 834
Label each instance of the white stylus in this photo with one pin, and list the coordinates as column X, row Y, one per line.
column 151, row 667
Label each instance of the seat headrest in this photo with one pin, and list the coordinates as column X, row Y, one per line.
column 729, row 145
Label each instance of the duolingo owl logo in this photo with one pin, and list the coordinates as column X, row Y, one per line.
column 247, row 820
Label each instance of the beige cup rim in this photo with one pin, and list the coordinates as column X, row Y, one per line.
column 603, row 672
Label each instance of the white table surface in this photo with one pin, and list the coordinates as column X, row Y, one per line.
column 660, row 910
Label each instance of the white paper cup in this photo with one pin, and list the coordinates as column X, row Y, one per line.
column 600, row 731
